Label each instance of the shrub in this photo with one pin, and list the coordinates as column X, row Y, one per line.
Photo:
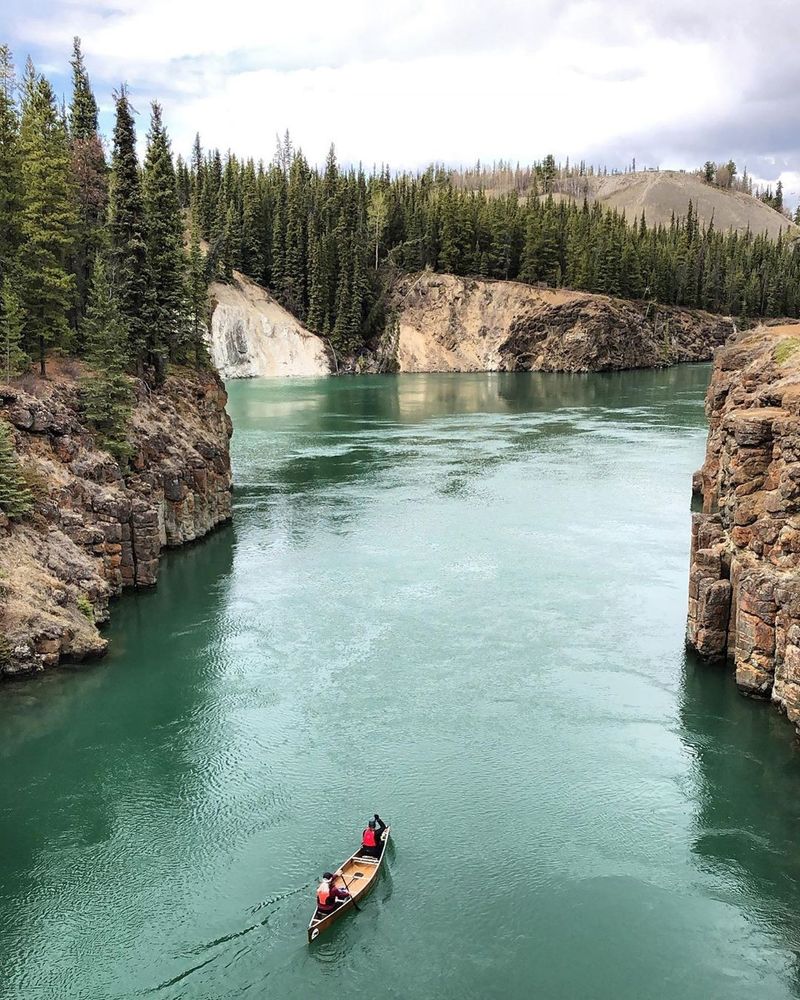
column 85, row 607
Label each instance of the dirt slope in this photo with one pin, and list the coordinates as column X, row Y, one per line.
column 252, row 334
column 449, row 323
column 661, row 193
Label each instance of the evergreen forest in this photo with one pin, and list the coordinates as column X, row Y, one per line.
column 109, row 258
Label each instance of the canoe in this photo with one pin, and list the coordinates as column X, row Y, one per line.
column 358, row 874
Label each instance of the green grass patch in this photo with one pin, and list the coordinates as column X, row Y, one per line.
column 785, row 350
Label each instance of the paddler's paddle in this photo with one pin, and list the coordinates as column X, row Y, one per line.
column 355, row 904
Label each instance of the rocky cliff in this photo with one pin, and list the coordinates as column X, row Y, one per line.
column 447, row 323
column 252, row 334
column 97, row 529
column 744, row 586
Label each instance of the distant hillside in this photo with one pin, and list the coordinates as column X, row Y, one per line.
column 660, row 193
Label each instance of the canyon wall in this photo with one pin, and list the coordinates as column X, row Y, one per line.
column 744, row 586
column 251, row 334
column 448, row 323
column 96, row 528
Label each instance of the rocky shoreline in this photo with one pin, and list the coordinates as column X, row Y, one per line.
column 744, row 585
column 97, row 529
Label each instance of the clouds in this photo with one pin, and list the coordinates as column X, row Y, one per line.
column 670, row 82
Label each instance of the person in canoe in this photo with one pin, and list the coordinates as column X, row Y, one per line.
column 371, row 843
column 330, row 896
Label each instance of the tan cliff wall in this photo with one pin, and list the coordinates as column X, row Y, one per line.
column 449, row 323
column 95, row 528
column 253, row 335
column 744, row 586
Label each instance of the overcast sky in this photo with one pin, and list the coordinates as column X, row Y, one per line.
column 671, row 82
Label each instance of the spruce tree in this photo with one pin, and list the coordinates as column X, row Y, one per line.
column 47, row 218
column 126, row 227
column 219, row 263
column 197, row 298
column 83, row 110
column 15, row 498
column 164, row 236
column 294, row 286
column 12, row 324
column 252, row 258
column 278, row 243
column 10, row 165
column 90, row 178
column 106, row 392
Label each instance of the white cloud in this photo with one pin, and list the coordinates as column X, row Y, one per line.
column 451, row 108
column 434, row 79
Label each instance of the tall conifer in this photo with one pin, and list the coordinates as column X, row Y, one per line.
column 10, row 165
column 90, row 178
column 126, row 227
column 164, row 234
column 197, row 298
column 106, row 392
column 83, row 110
column 13, row 360
column 47, row 218
column 15, row 497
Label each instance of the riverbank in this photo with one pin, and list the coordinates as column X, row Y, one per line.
column 451, row 323
column 744, row 589
column 97, row 527
column 447, row 323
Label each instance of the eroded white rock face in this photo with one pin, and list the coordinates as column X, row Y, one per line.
column 252, row 335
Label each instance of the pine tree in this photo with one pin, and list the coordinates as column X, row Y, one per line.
column 294, row 286
column 47, row 218
column 12, row 324
column 184, row 182
column 233, row 242
column 278, row 243
column 359, row 293
column 16, row 499
column 378, row 215
column 197, row 299
column 126, row 227
column 83, row 111
column 10, row 165
column 449, row 258
column 164, row 236
column 252, row 258
column 106, row 393
column 218, row 262
column 90, row 179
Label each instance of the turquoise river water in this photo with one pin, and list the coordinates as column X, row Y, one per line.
column 458, row 601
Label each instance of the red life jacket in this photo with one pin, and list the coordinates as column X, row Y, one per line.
column 370, row 838
column 324, row 895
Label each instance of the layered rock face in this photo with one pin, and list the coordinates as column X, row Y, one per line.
column 97, row 529
column 447, row 323
column 744, row 587
column 252, row 334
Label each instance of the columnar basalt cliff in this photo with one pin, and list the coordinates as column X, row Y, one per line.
column 448, row 323
column 96, row 528
column 744, row 587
